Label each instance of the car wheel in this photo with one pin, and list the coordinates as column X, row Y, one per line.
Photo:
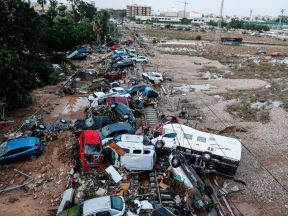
column 175, row 162
column 159, row 144
column 33, row 157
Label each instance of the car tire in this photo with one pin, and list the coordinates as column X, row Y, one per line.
column 33, row 157
column 159, row 144
column 175, row 162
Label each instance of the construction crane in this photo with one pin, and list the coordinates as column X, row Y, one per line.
column 185, row 4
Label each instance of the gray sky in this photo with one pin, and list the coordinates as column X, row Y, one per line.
column 231, row 7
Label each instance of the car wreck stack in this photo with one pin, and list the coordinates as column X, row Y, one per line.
column 134, row 159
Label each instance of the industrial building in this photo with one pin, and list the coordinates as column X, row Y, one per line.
column 138, row 10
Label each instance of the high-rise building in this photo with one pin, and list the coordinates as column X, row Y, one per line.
column 138, row 10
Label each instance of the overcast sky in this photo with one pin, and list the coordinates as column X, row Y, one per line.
column 231, row 7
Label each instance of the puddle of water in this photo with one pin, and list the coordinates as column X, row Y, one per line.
column 266, row 104
column 194, row 88
column 69, row 105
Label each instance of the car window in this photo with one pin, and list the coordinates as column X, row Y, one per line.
column 104, row 213
column 126, row 150
column 137, row 151
column 92, row 149
column 146, row 152
column 16, row 151
column 116, row 203
column 188, row 136
column 83, row 139
column 3, row 148
column 170, row 135
column 201, row 139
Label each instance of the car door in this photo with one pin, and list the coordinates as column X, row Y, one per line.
column 18, row 154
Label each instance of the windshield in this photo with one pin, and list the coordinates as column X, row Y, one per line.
column 122, row 91
column 105, row 131
column 92, row 149
column 3, row 149
column 116, row 203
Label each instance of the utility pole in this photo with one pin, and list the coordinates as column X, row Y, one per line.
column 219, row 21
column 281, row 17
column 185, row 4
column 250, row 17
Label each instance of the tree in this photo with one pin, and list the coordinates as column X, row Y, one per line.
column 101, row 25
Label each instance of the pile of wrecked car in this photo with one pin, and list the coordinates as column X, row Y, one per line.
column 159, row 170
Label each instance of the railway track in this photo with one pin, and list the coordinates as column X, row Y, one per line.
column 149, row 116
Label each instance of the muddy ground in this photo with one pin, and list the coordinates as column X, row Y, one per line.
column 217, row 90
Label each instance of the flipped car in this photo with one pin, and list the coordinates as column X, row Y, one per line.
column 210, row 152
column 20, row 149
column 100, row 206
column 153, row 76
column 124, row 113
column 90, row 148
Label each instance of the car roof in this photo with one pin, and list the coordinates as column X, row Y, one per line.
column 91, row 136
column 119, row 126
column 118, row 88
column 96, row 204
column 22, row 142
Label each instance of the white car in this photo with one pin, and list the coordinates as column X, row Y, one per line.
column 140, row 59
column 105, row 205
column 153, row 76
column 131, row 49
column 121, row 91
column 96, row 95
column 118, row 51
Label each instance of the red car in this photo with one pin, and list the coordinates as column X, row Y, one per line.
column 115, row 99
column 115, row 47
column 116, row 75
column 90, row 148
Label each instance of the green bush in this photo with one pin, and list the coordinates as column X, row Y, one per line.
column 198, row 37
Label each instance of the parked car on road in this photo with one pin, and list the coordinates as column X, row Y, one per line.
column 23, row 148
column 153, row 76
column 100, row 206
column 90, row 148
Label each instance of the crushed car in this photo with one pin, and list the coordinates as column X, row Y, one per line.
column 20, row 149
column 213, row 153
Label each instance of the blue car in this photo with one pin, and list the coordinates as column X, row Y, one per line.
column 119, row 55
column 134, row 89
column 23, row 148
column 124, row 113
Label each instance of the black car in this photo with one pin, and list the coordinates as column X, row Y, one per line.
column 116, row 129
column 124, row 113
column 123, row 64
column 76, row 55
column 92, row 123
column 84, row 50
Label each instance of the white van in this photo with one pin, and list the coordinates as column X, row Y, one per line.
column 137, row 157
